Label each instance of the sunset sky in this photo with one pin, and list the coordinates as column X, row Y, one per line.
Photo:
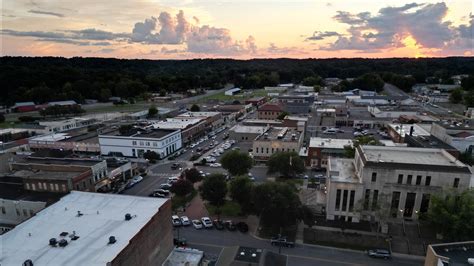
column 181, row 29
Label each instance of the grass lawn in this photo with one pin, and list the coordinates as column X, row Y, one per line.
column 291, row 181
column 229, row 208
column 178, row 202
column 242, row 96
column 139, row 106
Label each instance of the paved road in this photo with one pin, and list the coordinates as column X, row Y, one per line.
column 212, row 241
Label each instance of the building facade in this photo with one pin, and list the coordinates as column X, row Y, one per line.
column 276, row 139
column 269, row 111
column 320, row 149
column 297, row 104
column 163, row 142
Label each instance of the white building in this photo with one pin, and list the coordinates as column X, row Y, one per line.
column 93, row 229
column 397, row 180
column 276, row 139
column 162, row 141
column 67, row 124
column 458, row 135
column 232, row 91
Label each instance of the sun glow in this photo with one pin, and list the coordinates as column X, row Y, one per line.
column 413, row 45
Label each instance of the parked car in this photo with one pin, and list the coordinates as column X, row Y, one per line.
column 330, row 131
column 173, row 179
column 197, row 224
column 357, row 134
column 281, row 241
column 181, row 242
column 175, row 166
column 162, row 191
column 175, row 220
column 379, row 253
column 230, row 225
column 166, row 186
column 157, row 195
column 185, row 220
column 135, row 180
column 207, row 222
column 219, row 225
column 242, row 227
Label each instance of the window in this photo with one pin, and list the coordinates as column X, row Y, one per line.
column 267, row 150
column 155, row 144
column 375, row 199
column 40, row 185
column 418, row 179
column 374, row 177
column 344, row 200
column 25, row 213
column 17, row 212
column 134, row 143
column 33, row 186
column 56, row 187
column 367, row 199
column 338, row 199
column 425, row 203
column 51, row 187
column 63, row 187
column 27, row 186
column 409, row 177
column 3, row 209
column 148, row 143
column 351, row 200
column 456, row 183
column 400, row 179
column 32, row 213
column 428, row 180
column 141, row 143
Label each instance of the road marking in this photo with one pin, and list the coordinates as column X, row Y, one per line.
column 320, row 259
column 207, row 245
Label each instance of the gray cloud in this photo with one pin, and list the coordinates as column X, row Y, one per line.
column 49, row 13
column 321, row 35
column 37, row 34
column 98, row 35
column 389, row 27
column 172, row 30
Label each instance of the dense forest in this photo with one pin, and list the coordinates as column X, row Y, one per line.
column 43, row 79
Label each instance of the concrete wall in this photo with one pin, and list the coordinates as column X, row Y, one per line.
column 16, row 211
column 152, row 245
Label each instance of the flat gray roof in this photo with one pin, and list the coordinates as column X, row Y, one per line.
column 279, row 133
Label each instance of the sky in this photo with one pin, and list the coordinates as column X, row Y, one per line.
column 241, row 29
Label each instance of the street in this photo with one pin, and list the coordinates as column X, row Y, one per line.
column 211, row 241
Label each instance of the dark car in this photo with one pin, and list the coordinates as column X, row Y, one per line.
column 157, row 194
column 379, row 253
column 219, row 225
column 162, row 191
column 179, row 242
column 230, row 225
column 282, row 242
column 175, row 166
column 242, row 227
column 165, row 186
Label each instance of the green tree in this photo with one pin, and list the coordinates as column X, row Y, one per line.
column 282, row 115
column 241, row 189
column 182, row 187
column 456, row 96
column 2, row 118
column 349, row 151
column 287, row 164
column 214, row 189
column 236, row 162
column 151, row 155
column 312, row 81
column 469, row 98
column 452, row 215
column 195, row 108
column 152, row 111
column 277, row 204
column 317, row 88
column 308, row 216
column 193, row 175
column 369, row 81
column 468, row 83
column 162, row 92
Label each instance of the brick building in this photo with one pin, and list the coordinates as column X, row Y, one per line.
column 269, row 111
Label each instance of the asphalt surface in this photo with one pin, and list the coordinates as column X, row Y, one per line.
column 211, row 241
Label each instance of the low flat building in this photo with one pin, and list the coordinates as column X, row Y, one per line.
column 59, row 175
column 184, row 257
column 398, row 179
column 276, row 139
column 213, row 119
column 397, row 132
column 93, row 229
column 450, row 254
column 231, row 92
column 256, row 101
column 191, row 128
column 135, row 143
column 320, row 149
column 67, row 124
column 457, row 134
column 269, row 111
column 393, row 111
column 246, row 133
column 297, row 104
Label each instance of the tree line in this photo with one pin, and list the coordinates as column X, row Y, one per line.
column 43, row 79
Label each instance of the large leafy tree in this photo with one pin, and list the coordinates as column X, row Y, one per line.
column 452, row 215
column 287, row 164
column 236, row 162
column 195, row 108
column 456, row 96
column 182, row 187
column 192, row 175
column 277, row 204
column 241, row 189
column 152, row 111
column 214, row 189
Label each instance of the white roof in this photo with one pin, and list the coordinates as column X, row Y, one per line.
column 52, row 137
column 172, row 123
column 184, row 257
column 404, row 129
column 248, row 129
column 199, row 114
column 329, row 143
column 103, row 216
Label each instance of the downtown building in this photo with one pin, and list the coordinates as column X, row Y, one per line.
column 397, row 179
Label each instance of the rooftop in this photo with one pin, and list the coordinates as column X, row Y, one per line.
column 58, row 161
column 401, row 157
column 51, row 137
column 453, row 125
column 427, row 142
column 342, row 170
column 18, row 104
column 199, row 114
column 102, row 216
column 233, row 90
column 62, row 103
column 248, row 129
column 46, row 175
column 404, row 129
column 184, row 257
column 329, row 143
column 457, row 253
column 149, row 133
column 281, row 134
column 172, row 123
column 270, row 107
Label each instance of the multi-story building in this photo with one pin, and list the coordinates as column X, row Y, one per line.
column 60, row 175
column 320, row 149
column 213, row 119
column 136, row 142
column 457, row 253
column 93, row 229
column 269, row 111
column 276, row 139
column 191, row 128
column 398, row 179
column 67, row 124
column 459, row 135
column 296, row 104
column 246, row 133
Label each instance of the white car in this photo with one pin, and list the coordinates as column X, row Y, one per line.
column 215, row 165
column 197, row 224
column 175, row 220
column 207, row 222
column 185, row 220
column 172, row 179
column 357, row 134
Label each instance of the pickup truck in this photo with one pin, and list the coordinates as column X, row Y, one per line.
column 281, row 241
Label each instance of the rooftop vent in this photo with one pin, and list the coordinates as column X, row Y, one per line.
column 79, row 214
column 64, row 234
column 254, row 255
column 28, row 263
column 112, row 240
column 62, row 243
column 128, row 217
column 53, row 242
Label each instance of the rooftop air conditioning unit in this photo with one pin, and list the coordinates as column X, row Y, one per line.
column 112, row 239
